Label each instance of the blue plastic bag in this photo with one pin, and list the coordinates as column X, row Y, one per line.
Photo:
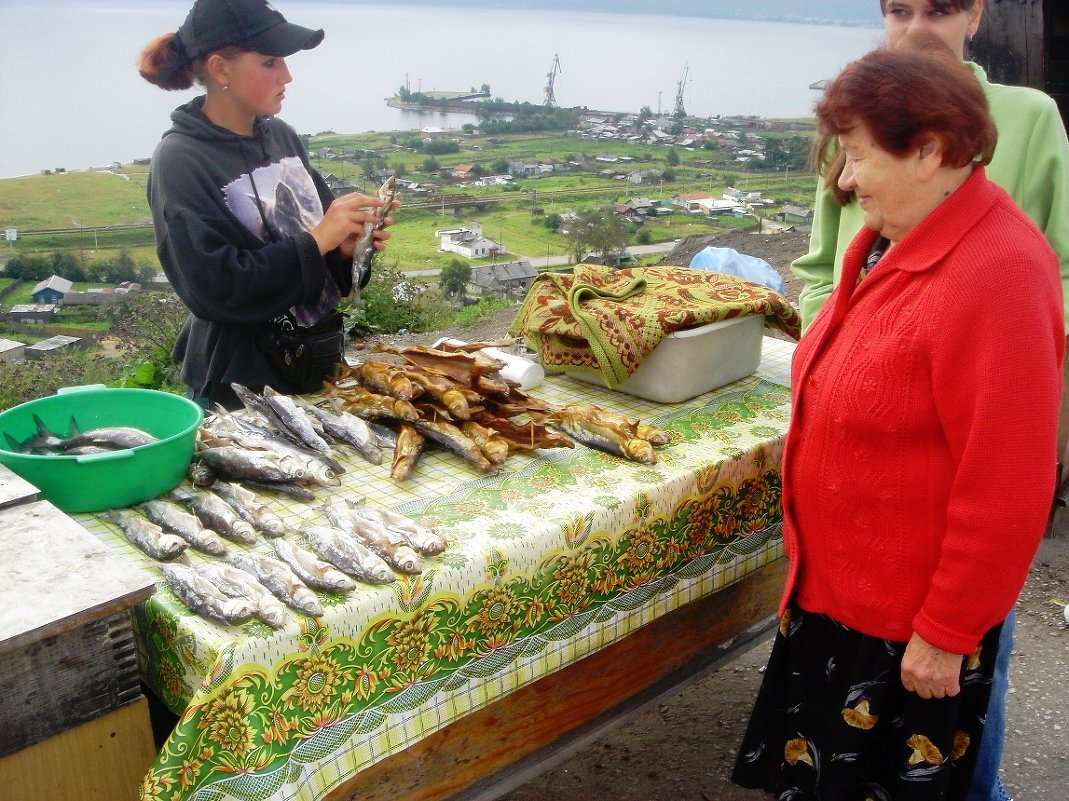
column 731, row 262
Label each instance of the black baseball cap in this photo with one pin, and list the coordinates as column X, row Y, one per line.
column 253, row 24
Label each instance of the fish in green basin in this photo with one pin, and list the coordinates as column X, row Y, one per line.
column 105, row 438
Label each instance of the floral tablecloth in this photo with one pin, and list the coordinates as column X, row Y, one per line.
column 550, row 560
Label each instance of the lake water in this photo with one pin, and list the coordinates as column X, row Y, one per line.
column 72, row 97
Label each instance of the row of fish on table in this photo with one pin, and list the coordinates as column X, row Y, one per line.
column 207, row 534
column 455, row 396
column 205, row 544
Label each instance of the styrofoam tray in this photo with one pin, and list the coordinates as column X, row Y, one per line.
column 695, row 360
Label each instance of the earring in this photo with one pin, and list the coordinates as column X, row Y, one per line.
column 226, row 86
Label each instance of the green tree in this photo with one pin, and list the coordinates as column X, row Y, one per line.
column 552, row 222
column 671, row 158
column 454, row 277
column 431, row 165
column 596, row 233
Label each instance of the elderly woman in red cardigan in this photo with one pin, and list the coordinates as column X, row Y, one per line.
column 920, row 458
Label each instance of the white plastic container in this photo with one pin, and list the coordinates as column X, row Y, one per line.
column 695, row 360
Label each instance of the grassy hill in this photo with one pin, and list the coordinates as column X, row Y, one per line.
column 98, row 212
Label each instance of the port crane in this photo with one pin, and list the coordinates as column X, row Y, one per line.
column 551, row 76
column 680, row 111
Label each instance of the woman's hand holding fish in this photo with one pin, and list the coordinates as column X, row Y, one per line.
column 345, row 220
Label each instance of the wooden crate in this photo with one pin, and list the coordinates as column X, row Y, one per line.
column 70, row 695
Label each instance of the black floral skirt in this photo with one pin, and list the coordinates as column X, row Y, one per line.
column 833, row 722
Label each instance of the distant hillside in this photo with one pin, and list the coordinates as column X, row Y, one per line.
column 839, row 12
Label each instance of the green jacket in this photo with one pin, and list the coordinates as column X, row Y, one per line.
column 1031, row 162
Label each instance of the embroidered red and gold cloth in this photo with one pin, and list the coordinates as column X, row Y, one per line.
column 608, row 321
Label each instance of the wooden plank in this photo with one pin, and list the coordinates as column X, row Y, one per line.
column 477, row 756
column 55, row 576
column 1010, row 43
column 15, row 489
column 104, row 760
column 60, row 682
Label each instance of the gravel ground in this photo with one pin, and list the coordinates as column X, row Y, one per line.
column 683, row 750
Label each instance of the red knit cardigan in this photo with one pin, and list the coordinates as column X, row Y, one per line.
column 920, row 461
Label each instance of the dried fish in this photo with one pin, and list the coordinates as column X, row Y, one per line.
column 200, row 474
column 246, row 434
column 494, row 447
column 288, row 489
column 146, row 535
column 237, row 583
column 406, row 452
column 346, row 427
column 279, row 579
column 445, row 391
column 171, row 517
column 583, row 424
column 385, row 435
column 455, row 440
column 313, row 571
column 424, row 540
column 251, row 509
column 289, row 423
column 216, row 514
column 527, row 436
column 347, row 554
column 235, row 463
column 297, row 421
column 372, row 405
column 388, row 544
column 364, row 248
column 388, row 379
column 204, row 598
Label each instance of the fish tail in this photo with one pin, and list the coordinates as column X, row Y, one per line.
column 42, row 429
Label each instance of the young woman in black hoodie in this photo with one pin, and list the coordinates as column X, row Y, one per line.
column 248, row 233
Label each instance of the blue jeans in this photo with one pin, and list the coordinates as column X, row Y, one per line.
column 986, row 784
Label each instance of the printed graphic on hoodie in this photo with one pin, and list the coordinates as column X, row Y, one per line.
column 290, row 205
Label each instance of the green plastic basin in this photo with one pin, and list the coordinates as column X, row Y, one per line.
column 107, row 480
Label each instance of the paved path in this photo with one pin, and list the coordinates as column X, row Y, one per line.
column 558, row 261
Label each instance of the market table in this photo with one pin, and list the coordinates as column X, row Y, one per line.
column 511, row 639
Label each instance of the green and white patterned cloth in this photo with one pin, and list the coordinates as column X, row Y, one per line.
column 557, row 556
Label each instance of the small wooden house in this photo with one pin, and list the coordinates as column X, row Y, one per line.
column 51, row 290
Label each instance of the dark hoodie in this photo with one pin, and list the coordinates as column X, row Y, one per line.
column 232, row 215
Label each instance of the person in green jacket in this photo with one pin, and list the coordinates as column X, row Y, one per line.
column 1031, row 160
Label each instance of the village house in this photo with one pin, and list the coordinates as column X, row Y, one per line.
column 53, row 346
column 468, row 242
column 339, row 186
column 33, row 313
column 51, row 290
column 461, row 171
column 689, row 201
column 12, row 351
column 645, row 176
column 636, row 210
column 796, row 215
column 722, row 206
column 510, row 279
